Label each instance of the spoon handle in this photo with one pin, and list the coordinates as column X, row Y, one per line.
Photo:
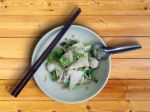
column 122, row 49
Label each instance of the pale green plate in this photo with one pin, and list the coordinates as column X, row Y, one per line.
column 81, row 93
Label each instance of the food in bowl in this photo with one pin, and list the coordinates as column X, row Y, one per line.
column 71, row 64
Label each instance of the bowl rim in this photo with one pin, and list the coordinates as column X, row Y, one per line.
column 62, row 101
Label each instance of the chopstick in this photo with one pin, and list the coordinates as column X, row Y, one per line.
column 44, row 55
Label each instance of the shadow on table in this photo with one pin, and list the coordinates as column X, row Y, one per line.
column 117, row 42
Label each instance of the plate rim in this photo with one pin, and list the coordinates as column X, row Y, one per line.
column 43, row 90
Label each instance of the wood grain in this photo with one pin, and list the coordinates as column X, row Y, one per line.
column 94, row 106
column 89, row 7
column 23, row 47
column 52, row 106
column 24, row 22
column 115, row 90
column 118, row 90
column 36, row 26
column 121, row 68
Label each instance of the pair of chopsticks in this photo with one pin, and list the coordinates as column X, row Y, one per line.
column 44, row 55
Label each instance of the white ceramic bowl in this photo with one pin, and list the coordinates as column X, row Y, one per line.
column 81, row 93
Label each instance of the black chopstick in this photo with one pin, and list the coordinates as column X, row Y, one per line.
column 44, row 55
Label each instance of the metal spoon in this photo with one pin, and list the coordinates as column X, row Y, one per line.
column 101, row 52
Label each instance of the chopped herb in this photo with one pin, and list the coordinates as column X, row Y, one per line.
column 93, row 79
column 65, row 62
column 54, row 75
column 66, row 84
column 63, row 44
column 55, row 55
column 46, row 61
column 72, row 42
column 76, row 55
column 66, row 44
column 90, row 77
column 89, row 72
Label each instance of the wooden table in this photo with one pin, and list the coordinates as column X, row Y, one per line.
column 22, row 24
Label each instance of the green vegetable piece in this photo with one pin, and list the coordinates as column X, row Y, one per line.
column 93, row 79
column 55, row 55
column 63, row 44
column 66, row 44
column 66, row 84
column 89, row 72
column 46, row 61
column 90, row 77
column 54, row 75
column 73, row 42
column 76, row 55
column 65, row 62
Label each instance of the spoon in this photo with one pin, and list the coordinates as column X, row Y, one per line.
column 101, row 52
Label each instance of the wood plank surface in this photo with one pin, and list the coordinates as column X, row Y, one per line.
column 118, row 22
column 91, row 106
column 65, row 7
column 23, row 47
column 36, row 26
column 115, row 90
column 52, row 106
column 121, row 68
